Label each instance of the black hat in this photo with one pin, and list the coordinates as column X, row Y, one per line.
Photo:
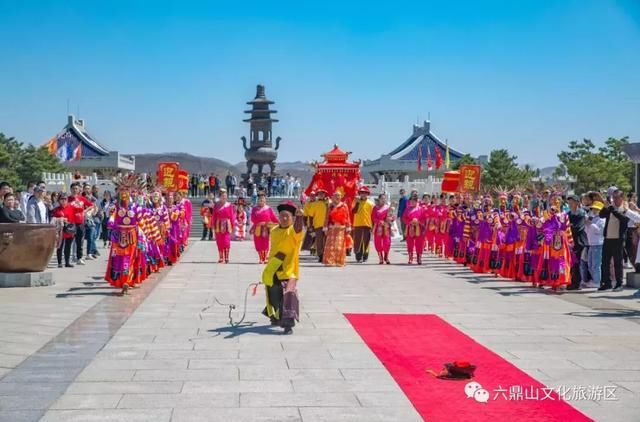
column 288, row 206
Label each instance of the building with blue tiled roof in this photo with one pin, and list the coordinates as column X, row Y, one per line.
column 78, row 150
column 403, row 160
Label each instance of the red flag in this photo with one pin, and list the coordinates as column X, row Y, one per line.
column 429, row 159
column 419, row 157
column 438, row 157
column 77, row 152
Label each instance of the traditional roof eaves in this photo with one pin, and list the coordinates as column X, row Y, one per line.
column 416, row 138
column 86, row 138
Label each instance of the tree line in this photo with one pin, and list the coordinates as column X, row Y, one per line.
column 20, row 163
column 592, row 167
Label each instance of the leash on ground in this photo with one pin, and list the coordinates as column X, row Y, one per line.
column 232, row 306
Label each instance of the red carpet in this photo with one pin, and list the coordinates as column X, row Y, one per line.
column 409, row 344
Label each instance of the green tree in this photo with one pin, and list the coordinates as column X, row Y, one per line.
column 502, row 170
column 559, row 171
column 35, row 161
column 20, row 164
column 597, row 168
column 465, row 159
column 9, row 153
column 528, row 172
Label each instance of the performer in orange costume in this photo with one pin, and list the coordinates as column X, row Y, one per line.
column 337, row 226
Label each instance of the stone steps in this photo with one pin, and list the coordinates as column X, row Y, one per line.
column 196, row 219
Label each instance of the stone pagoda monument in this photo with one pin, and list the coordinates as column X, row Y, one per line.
column 260, row 151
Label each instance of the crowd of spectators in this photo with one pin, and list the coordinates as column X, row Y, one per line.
column 78, row 216
column 286, row 186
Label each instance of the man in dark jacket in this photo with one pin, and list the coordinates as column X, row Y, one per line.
column 231, row 182
column 614, row 231
column 577, row 217
column 8, row 212
column 402, row 205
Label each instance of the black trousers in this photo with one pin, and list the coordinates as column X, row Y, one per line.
column 65, row 246
column 612, row 249
column 79, row 238
column 207, row 232
column 629, row 255
column 575, row 268
column 277, row 298
column 320, row 238
column 361, row 241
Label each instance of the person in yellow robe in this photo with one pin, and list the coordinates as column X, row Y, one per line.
column 362, row 224
column 318, row 216
column 281, row 273
column 308, row 241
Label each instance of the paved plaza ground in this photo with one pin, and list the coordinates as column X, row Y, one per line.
column 78, row 352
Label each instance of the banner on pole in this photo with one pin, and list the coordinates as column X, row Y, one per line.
column 168, row 175
column 470, row 178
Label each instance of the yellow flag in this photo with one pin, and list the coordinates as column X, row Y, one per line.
column 447, row 161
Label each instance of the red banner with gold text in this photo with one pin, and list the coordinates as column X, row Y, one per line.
column 470, row 178
column 168, row 175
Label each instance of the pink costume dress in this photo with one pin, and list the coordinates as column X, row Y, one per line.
column 175, row 234
column 161, row 215
column 143, row 245
column 381, row 231
column 224, row 220
column 430, row 217
column 178, row 222
column 414, row 219
column 261, row 219
column 186, row 223
column 442, row 229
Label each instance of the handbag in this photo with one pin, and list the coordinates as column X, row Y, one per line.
column 69, row 228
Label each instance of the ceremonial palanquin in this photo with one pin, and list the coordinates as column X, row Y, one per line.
column 336, row 174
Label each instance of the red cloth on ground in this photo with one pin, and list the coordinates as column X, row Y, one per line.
column 407, row 345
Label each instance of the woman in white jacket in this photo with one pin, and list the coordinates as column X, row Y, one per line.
column 594, row 227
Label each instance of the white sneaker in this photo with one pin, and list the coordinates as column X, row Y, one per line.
column 80, row 262
column 89, row 258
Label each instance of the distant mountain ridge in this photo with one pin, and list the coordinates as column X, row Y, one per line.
column 148, row 163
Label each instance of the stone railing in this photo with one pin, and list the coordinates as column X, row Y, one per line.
column 60, row 182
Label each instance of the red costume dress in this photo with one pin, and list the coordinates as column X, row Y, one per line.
column 338, row 221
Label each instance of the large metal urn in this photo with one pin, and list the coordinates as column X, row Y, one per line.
column 26, row 247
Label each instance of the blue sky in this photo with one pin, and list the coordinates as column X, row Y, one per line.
column 154, row 76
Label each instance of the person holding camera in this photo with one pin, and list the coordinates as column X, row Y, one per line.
column 614, row 234
column 592, row 265
column 577, row 217
column 64, row 213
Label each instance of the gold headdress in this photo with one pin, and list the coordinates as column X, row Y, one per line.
column 131, row 182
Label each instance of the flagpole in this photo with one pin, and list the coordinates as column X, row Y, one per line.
column 447, row 159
